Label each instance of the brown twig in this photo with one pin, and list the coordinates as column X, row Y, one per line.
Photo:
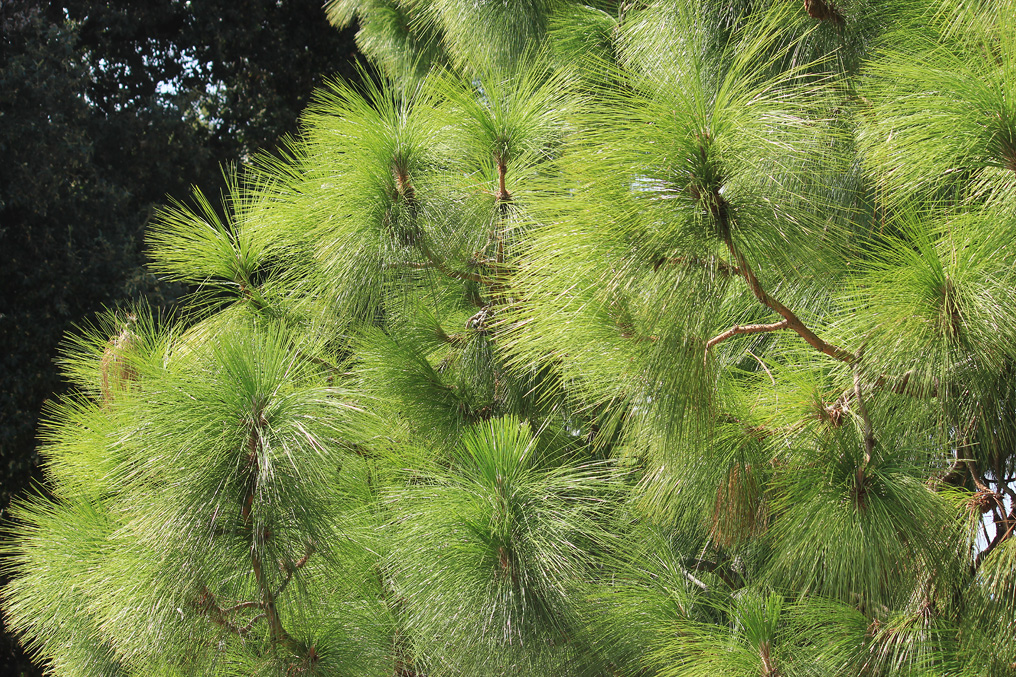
column 862, row 411
column 290, row 569
column 793, row 322
column 241, row 605
column 719, row 208
column 731, row 578
column 247, row 628
column 976, row 477
column 1000, row 536
column 1003, row 484
column 744, row 329
column 221, row 617
column 207, row 604
column 502, row 191
column 277, row 633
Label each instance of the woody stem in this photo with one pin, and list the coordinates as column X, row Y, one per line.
column 277, row 633
column 793, row 322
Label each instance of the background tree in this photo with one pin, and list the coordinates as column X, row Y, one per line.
column 106, row 109
column 666, row 338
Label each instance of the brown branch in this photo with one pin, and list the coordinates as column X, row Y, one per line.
column 731, row 578
column 1000, row 536
column 277, row 633
column 502, row 191
column 247, row 628
column 991, row 500
column 975, row 474
column 220, row 616
column 207, row 604
column 769, row 668
column 1003, row 484
column 960, row 466
column 290, row 569
column 793, row 322
column 862, row 411
column 867, row 435
column 241, row 605
column 744, row 329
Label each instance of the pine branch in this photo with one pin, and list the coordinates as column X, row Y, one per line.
column 247, row 628
column 792, row 321
column 746, row 329
column 503, row 196
column 208, row 605
column 731, row 578
column 952, row 476
column 278, row 634
column 290, row 569
column 1000, row 536
column 769, row 668
column 1003, row 485
column 866, row 429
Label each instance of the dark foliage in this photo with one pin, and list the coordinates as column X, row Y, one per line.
column 107, row 109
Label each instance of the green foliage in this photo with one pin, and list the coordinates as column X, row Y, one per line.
column 656, row 338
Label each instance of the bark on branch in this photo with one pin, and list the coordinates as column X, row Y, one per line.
column 793, row 322
column 1001, row 535
column 862, row 411
column 823, row 11
column 745, row 329
column 291, row 569
column 209, row 606
column 503, row 195
column 277, row 633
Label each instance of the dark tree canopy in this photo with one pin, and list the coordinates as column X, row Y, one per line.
column 107, row 108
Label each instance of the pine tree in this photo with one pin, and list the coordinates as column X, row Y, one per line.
column 622, row 338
